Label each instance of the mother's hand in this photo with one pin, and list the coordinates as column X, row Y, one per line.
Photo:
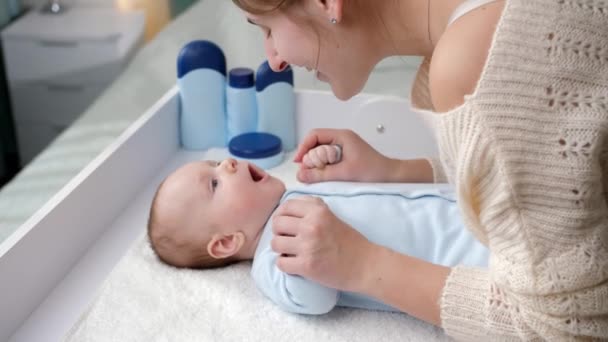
column 360, row 161
column 314, row 243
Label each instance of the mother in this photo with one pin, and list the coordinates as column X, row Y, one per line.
column 520, row 90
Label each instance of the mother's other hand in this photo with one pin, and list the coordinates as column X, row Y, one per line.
column 314, row 243
column 360, row 162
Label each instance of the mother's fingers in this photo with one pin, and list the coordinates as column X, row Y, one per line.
column 311, row 199
column 290, row 264
column 298, row 207
column 285, row 245
column 285, row 225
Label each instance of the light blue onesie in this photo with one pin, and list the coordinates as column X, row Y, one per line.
column 423, row 223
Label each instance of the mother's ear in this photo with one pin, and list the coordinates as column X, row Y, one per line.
column 223, row 246
column 333, row 9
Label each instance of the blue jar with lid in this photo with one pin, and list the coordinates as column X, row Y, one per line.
column 276, row 104
column 201, row 69
column 262, row 149
column 241, row 104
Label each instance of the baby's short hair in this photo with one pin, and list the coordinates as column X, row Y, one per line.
column 173, row 252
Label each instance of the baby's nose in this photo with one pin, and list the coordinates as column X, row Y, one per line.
column 229, row 164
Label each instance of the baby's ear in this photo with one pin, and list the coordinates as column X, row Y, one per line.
column 225, row 245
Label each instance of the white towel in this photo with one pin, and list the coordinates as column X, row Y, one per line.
column 144, row 300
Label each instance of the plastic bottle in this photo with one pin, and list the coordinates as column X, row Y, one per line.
column 241, row 105
column 276, row 104
column 201, row 69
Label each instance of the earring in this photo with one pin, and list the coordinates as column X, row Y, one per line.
column 333, row 21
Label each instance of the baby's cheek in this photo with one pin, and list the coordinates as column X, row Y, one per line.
column 250, row 197
column 250, row 203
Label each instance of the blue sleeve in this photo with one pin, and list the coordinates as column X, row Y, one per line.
column 290, row 292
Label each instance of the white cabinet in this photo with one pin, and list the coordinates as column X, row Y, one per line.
column 57, row 65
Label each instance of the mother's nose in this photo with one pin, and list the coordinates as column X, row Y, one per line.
column 276, row 63
column 278, row 66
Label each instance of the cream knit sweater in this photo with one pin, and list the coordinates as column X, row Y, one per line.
column 528, row 155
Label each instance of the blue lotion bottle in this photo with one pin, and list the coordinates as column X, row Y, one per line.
column 276, row 104
column 201, row 71
column 241, row 104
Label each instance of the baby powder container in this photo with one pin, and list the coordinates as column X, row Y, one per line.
column 241, row 105
column 276, row 104
column 201, row 71
column 261, row 149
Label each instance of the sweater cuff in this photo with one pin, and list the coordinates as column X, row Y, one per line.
column 438, row 172
column 464, row 302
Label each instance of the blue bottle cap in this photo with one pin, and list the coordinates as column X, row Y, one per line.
column 240, row 78
column 200, row 54
column 265, row 76
column 255, row 145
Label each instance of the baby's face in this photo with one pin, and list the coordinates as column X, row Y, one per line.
column 229, row 195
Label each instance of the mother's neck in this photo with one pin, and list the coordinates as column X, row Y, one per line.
column 410, row 32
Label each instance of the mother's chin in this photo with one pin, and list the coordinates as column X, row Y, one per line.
column 346, row 84
column 345, row 92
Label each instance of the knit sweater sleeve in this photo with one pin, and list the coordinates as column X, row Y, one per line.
column 548, row 235
column 528, row 153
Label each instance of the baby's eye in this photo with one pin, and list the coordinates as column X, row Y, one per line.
column 214, row 184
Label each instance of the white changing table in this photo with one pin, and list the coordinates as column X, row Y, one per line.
column 53, row 264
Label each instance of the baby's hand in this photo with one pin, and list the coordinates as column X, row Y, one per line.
column 322, row 155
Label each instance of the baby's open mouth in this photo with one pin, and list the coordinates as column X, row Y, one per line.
column 256, row 174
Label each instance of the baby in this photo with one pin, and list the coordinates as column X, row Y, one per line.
column 208, row 214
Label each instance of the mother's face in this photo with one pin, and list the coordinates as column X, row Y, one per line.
column 303, row 36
